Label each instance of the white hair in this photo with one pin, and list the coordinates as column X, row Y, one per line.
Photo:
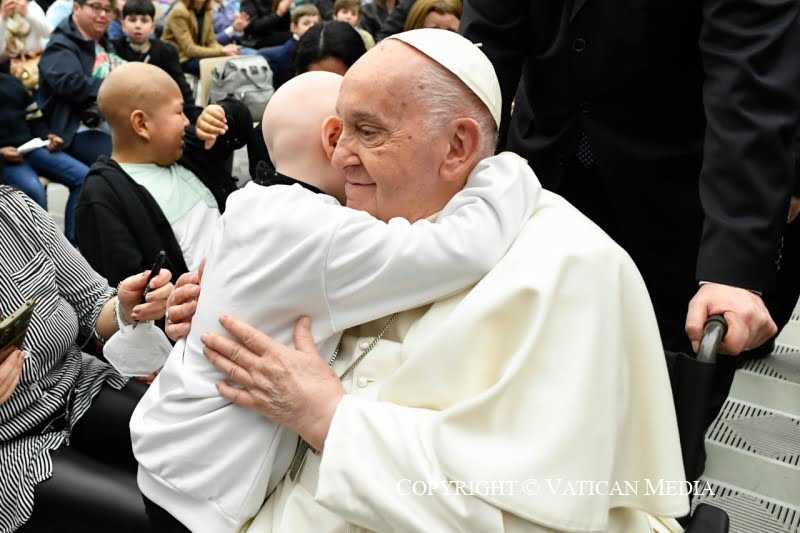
column 446, row 98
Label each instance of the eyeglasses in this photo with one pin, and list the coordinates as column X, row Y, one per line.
column 100, row 8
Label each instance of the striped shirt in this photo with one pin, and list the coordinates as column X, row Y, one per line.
column 37, row 262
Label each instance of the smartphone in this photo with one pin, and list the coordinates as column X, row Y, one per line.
column 14, row 328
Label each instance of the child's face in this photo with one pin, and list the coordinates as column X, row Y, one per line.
column 303, row 23
column 348, row 15
column 138, row 28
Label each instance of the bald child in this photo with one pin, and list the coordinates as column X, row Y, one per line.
column 291, row 249
column 160, row 189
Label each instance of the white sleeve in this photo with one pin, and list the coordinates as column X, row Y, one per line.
column 38, row 21
column 379, row 471
column 374, row 269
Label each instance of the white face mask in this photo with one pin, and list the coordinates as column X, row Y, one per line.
column 136, row 48
column 137, row 352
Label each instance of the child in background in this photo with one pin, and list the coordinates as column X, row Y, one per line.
column 137, row 44
column 349, row 11
column 114, row 30
column 281, row 58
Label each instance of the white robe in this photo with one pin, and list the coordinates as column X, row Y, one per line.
column 550, row 369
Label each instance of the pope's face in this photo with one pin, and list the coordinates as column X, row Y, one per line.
column 390, row 162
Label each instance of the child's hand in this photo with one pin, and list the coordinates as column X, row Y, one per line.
column 55, row 142
column 211, row 124
column 240, row 21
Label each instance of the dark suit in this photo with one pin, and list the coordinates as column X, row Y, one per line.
column 689, row 108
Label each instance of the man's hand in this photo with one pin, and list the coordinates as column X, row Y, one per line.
column 211, row 124
column 794, row 209
column 55, row 142
column 182, row 304
column 10, row 372
column 130, row 293
column 749, row 322
column 292, row 387
column 231, row 49
column 240, row 21
column 11, row 154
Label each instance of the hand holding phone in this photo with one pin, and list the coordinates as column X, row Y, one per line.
column 14, row 328
column 155, row 270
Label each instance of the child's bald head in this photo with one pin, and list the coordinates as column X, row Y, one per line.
column 300, row 130
column 144, row 109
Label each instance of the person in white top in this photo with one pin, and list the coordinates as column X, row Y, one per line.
column 537, row 400
column 286, row 249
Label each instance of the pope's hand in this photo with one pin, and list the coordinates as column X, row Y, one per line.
column 749, row 321
column 182, row 304
column 292, row 387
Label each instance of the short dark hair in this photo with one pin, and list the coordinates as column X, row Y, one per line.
column 332, row 38
column 346, row 4
column 139, row 7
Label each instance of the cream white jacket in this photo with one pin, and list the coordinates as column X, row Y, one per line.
column 547, row 374
column 281, row 252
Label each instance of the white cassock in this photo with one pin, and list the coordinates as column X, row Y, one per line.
column 550, row 369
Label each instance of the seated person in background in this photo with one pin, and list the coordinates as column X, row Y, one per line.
column 58, row 11
column 269, row 22
column 331, row 46
column 441, row 14
column 20, row 121
column 138, row 23
column 349, row 11
column 281, row 57
column 153, row 194
column 71, row 70
column 229, row 22
column 550, row 368
column 23, row 31
column 190, row 28
column 114, row 30
column 304, row 251
column 65, row 449
column 374, row 13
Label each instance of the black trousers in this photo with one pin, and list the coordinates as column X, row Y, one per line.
column 93, row 486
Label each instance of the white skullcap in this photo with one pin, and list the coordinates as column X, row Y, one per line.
column 462, row 58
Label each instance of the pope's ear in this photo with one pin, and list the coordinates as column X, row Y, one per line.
column 138, row 121
column 331, row 130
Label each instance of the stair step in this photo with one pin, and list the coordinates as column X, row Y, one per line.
column 773, row 382
column 790, row 334
column 757, row 449
column 748, row 511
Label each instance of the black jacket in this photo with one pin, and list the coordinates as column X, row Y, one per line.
column 66, row 83
column 396, row 20
column 372, row 17
column 20, row 117
column 266, row 28
column 120, row 228
column 164, row 56
column 677, row 99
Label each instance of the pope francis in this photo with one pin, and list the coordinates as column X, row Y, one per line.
column 538, row 400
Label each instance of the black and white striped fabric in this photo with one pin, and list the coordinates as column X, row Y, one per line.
column 37, row 262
